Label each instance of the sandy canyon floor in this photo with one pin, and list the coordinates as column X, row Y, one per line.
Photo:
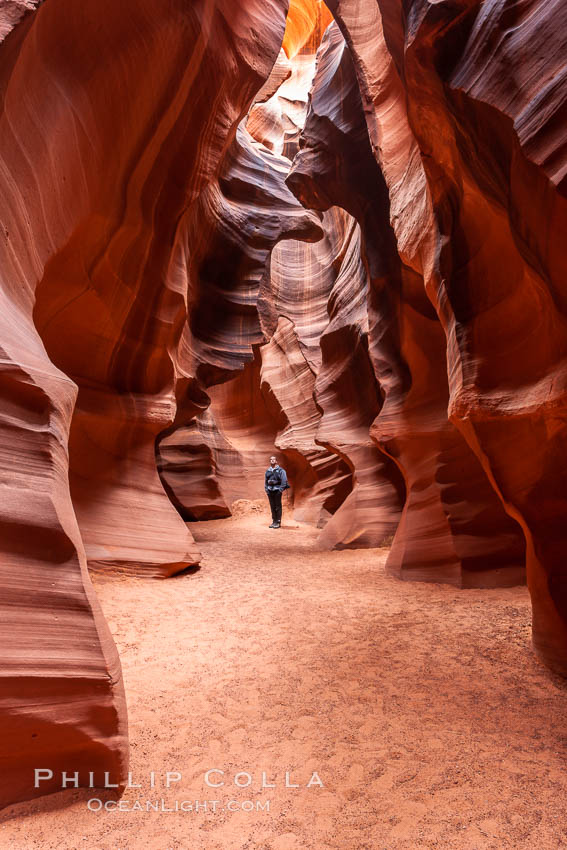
column 421, row 708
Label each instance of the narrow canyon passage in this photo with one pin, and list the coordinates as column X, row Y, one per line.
column 422, row 710
column 329, row 233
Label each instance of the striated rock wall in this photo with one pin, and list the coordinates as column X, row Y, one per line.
column 453, row 527
column 130, row 282
column 229, row 423
column 310, row 394
column 110, row 133
column 238, row 221
column 316, row 394
column 322, row 289
column 362, row 313
column 320, row 478
column 465, row 105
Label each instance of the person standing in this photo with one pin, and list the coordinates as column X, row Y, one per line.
column 275, row 482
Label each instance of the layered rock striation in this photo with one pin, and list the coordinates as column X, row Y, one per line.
column 453, row 527
column 110, row 134
column 311, row 392
column 238, row 221
column 465, row 108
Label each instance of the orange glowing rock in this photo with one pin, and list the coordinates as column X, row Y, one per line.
column 306, row 23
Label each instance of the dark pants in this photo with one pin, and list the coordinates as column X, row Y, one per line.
column 275, row 497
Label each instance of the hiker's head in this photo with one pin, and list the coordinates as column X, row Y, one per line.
column 273, row 460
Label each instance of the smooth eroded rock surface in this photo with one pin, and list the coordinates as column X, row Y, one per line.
column 465, row 106
column 453, row 527
column 114, row 121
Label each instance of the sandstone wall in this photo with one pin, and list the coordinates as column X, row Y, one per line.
column 115, row 118
column 465, row 103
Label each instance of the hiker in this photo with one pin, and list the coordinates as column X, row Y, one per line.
column 275, row 482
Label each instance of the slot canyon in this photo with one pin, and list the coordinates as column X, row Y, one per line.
column 330, row 232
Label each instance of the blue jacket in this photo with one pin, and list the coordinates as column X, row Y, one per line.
column 275, row 479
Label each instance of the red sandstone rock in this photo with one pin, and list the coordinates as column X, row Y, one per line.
column 445, row 532
column 464, row 104
column 312, row 311
column 107, row 141
column 239, row 220
column 499, row 285
column 277, row 120
column 220, row 455
column 321, row 479
column 322, row 289
column 453, row 527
